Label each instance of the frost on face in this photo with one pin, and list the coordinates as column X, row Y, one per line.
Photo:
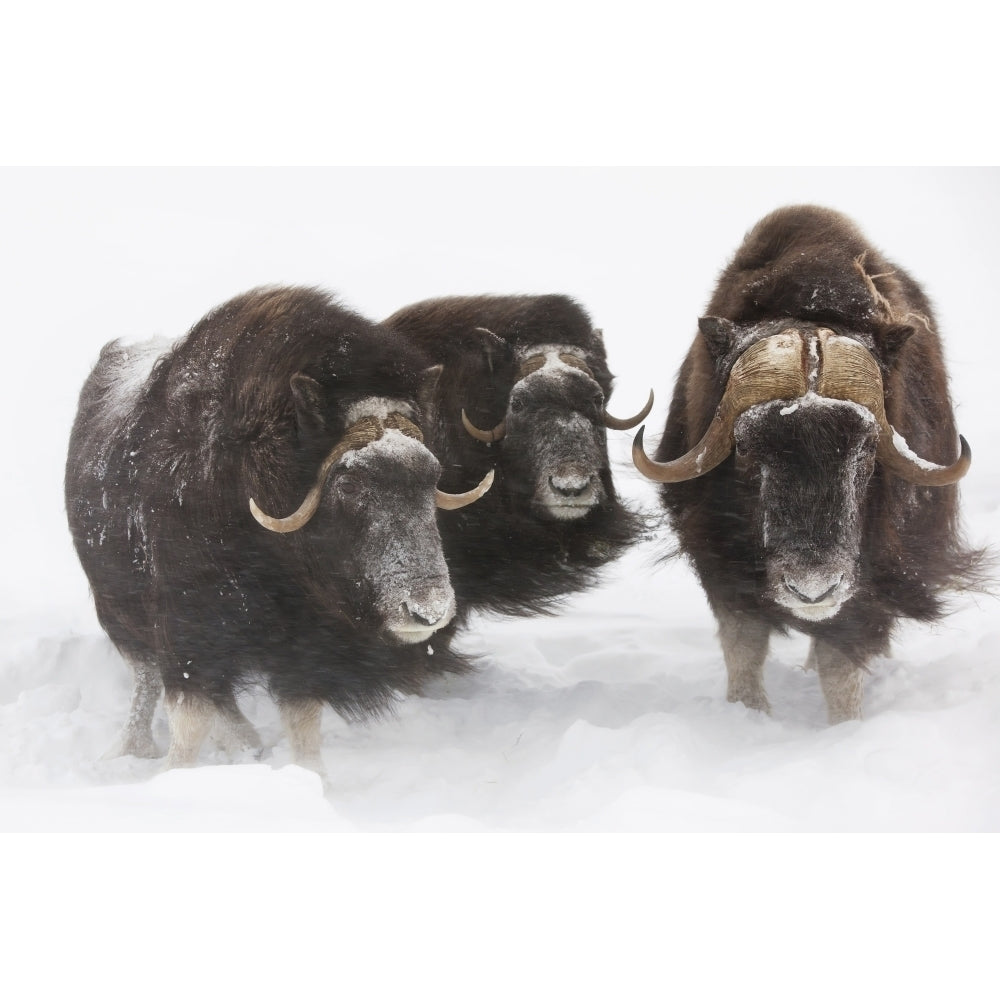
column 557, row 452
column 398, row 547
column 393, row 446
column 553, row 363
column 377, row 406
column 813, row 459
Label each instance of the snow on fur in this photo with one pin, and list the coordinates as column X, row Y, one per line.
column 609, row 716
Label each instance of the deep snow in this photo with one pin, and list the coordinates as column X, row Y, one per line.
column 610, row 716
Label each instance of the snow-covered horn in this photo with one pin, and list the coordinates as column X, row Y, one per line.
column 849, row 371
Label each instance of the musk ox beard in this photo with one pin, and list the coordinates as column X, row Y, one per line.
column 523, row 392
column 255, row 504
column 810, row 455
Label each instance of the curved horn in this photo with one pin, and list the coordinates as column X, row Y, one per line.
column 609, row 421
column 772, row 368
column 850, row 372
column 308, row 507
column 626, row 425
column 488, row 437
column 454, row 501
column 365, row 431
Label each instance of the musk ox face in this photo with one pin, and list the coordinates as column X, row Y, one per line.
column 809, row 462
column 804, row 408
column 380, row 500
column 367, row 530
column 555, row 448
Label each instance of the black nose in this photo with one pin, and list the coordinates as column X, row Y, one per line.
column 808, row 598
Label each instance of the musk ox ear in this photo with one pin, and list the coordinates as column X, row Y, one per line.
column 891, row 338
column 495, row 351
column 719, row 335
column 310, row 405
column 427, row 389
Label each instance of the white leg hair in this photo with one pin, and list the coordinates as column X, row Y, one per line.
column 744, row 642
column 234, row 732
column 191, row 718
column 301, row 720
column 841, row 679
column 136, row 737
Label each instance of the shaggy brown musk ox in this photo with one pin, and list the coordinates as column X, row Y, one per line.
column 523, row 391
column 810, row 454
column 256, row 503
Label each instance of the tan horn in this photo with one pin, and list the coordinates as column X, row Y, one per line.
column 308, row 507
column 772, row 368
column 850, row 372
column 454, row 501
column 488, row 437
column 365, row 431
column 617, row 424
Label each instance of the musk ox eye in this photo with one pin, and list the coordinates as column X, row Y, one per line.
column 516, row 404
column 348, row 487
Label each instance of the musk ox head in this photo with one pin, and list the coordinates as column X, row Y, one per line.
column 554, row 442
column 804, row 411
column 366, row 532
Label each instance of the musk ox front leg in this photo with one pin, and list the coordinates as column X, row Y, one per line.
column 301, row 719
column 136, row 738
column 841, row 679
column 233, row 731
column 744, row 642
column 192, row 716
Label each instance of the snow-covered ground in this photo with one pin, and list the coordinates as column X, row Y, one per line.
column 609, row 717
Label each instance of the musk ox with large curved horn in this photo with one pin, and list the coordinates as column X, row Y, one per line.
column 524, row 389
column 810, row 454
column 174, row 458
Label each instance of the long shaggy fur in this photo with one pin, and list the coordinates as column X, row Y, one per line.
column 502, row 557
column 812, row 265
column 157, row 486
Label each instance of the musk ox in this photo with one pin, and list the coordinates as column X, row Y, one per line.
column 523, row 391
column 256, row 504
column 810, row 454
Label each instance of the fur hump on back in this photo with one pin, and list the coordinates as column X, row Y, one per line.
column 811, row 263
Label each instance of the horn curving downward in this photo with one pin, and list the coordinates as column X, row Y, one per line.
column 773, row 368
column 455, row 501
column 308, row 507
column 487, row 437
column 850, row 372
column 365, row 431
column 617, row 424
